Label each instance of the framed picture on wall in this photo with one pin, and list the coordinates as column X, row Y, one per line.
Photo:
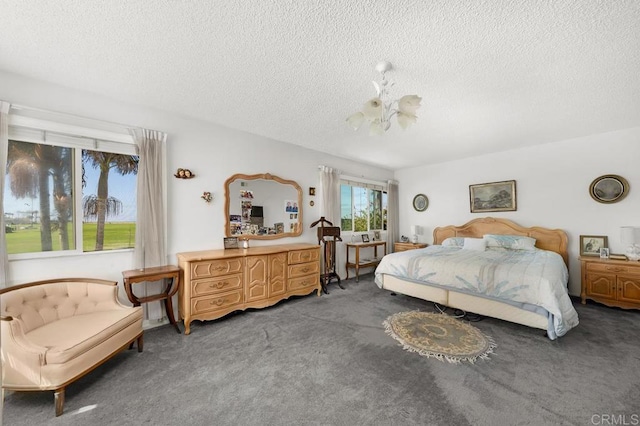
column 609, row 189
column 493, row 197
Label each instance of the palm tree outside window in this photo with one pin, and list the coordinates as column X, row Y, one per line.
column 42, row 212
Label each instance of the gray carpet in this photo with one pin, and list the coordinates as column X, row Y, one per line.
column 327, row 361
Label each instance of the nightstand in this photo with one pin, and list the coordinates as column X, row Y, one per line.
column 407, row 246
column 611, row 282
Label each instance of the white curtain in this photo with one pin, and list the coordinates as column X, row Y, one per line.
column 151, row 245
column 330, row 188
column 4, row 146
column 393, row 222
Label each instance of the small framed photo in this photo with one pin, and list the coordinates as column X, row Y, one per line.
column 231, row 243
column 365, row 238
column 590, row 245
column 279, row 227
column 604, row 253
column 376, row 235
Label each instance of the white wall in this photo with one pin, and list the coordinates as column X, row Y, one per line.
column 211, row 152
column 552, row 182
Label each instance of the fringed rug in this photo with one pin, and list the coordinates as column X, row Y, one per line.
column 439, row 336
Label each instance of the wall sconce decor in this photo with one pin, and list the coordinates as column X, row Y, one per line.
column 184, row 174
column 206, row 196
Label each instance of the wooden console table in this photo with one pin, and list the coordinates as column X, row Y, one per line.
column 366, row 262
column 156, row 273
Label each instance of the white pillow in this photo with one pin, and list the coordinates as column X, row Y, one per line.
column 478, row 244
column 512, row 242
column 453, row 242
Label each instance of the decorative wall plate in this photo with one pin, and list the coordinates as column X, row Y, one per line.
column 609, row 189
column 420, row 202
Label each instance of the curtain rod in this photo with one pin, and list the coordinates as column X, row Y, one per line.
column 125, row 127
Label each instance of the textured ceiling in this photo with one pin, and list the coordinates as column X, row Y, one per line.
column 493, row 74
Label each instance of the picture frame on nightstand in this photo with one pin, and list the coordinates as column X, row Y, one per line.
column 590, row 245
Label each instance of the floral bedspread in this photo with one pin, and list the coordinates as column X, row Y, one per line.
column 536, row 277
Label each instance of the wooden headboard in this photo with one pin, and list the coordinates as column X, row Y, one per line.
column 546, row 239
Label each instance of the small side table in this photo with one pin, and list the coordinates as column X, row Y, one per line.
column 364, row 263
column 169, row 272
column 407, row 246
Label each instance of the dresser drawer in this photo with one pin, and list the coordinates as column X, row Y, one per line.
column 303, row 269
column 303, row 282
column 216, row 302
column 303, row 256
column 612, row 268
column 216, row 268
column 216, row 285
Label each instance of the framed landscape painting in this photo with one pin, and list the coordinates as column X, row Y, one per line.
column 493, row 197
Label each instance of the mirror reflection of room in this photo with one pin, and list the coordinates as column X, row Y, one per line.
column 262, row 207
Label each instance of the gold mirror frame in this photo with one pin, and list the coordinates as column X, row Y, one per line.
column 266, row 176
column 604, row 195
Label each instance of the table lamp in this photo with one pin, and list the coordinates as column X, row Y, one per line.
column 415, row 230
column 630, row 236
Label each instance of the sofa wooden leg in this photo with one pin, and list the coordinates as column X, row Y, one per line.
column 140, row 343
column 59, row 400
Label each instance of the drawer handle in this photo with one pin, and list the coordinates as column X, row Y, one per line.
column 220, row 268
column 219, row 284
column 614, row 269
column 217, row 302
column 305, row 269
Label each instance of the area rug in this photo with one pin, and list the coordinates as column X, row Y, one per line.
column 439, row 336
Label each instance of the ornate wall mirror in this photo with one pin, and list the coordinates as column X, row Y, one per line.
column 262, row 207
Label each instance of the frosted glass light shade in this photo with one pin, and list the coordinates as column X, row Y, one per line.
column 415, row 230
column 629, row 235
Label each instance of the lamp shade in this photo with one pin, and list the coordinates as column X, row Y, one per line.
column 630, row 235
column 415, row 230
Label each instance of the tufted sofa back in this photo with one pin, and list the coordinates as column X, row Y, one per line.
column 37, row 304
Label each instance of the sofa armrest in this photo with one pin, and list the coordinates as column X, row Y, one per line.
column 13, row 335
column 20, row 356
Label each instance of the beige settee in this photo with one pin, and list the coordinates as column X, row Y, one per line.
column 55, row 331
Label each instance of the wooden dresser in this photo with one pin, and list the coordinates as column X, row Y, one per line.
column 611, row 282
column 407, row 246
column 217, row 282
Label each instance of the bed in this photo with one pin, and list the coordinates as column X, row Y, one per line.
column 523, row 281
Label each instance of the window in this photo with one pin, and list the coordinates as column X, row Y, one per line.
column 68, row 193
column 363, row 207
